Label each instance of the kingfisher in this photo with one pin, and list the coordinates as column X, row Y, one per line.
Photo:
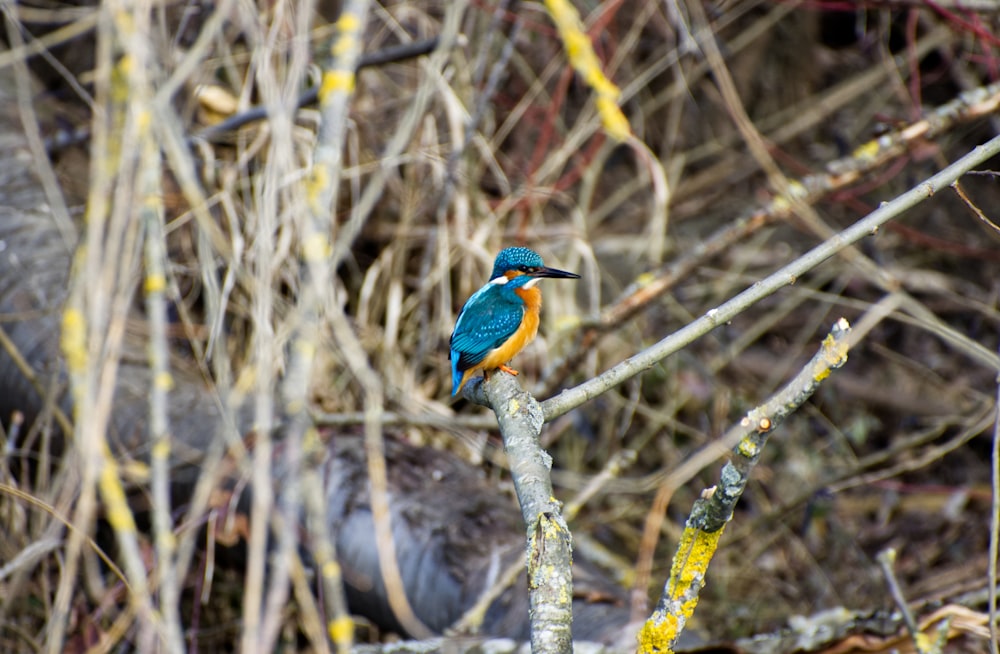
column 501, row 317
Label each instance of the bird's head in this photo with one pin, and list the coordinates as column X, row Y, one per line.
column 515, row 263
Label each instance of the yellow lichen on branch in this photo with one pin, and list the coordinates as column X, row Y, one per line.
column 341, row 630
column 118, row 512
column 74, row 340
column 344, row 50
column 834, row 352
column 687, row 576
column 336, row 81
column 580, row 53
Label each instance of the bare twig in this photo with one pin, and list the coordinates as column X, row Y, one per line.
column 95, row 315
column 887, row 561
column 921, row 642
column 975, row 209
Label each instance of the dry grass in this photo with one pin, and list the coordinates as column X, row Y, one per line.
column 891, row 452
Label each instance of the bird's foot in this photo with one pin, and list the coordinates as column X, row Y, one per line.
column 509, row 370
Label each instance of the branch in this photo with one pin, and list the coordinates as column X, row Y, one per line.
column 839, row 174
column 711, row 513
column 572, row 398
column 311, row 95
column 549, row 547
column 335, row 95
column 582, row 57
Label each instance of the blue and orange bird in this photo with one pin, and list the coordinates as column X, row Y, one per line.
column 501, row 317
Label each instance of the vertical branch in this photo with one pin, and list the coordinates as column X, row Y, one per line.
column 280, row 89
column 322, row 257
column 549, row 541
column 267, row 586
column 94, row 318
column 74, row 333
column 139, row 167
column 336, row 91
column 264, row 355
column 162, row 382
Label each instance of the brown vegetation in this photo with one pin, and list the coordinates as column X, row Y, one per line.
column 760, row 129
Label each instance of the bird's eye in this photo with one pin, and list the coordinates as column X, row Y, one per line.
column 523, row 268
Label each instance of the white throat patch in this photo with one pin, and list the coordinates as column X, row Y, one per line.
column 533, row 281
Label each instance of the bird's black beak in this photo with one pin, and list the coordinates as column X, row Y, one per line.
column 553, row 273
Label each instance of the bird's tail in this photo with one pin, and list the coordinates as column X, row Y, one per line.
column 457, row 376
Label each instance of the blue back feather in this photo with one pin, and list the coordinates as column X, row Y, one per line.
column 487, row 320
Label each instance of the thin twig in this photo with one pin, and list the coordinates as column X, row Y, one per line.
column 975, row 209
column 265, row 348
column 886, row 561
column 95, row 316
column 278, row 88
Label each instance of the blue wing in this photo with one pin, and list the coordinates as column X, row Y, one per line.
column 488, row 319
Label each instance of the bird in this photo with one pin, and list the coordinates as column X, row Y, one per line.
column 501, row 318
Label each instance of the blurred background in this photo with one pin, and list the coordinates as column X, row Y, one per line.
column 492, row 140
